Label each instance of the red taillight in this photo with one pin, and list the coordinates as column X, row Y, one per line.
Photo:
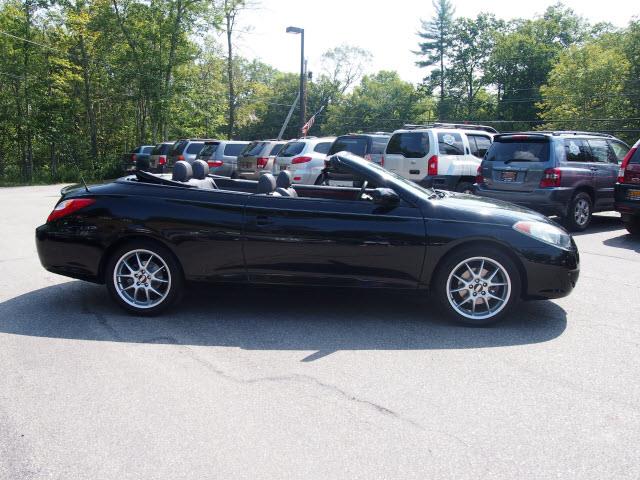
column 623, row 166
column 297, row 179
column 432, row 166
column 215, row 163
column 551, row 178
column 298, row 160
column 162, row 161
column 181, row 158
column 261, row 162
column 382, row 161
column 67, row 207
column 479, row 177
column 133, row 157
column 367, row 157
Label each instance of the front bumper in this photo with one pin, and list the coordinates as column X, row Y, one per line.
column 554, row 277
column 548, row 201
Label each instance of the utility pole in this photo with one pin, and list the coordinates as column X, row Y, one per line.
column 303, row 106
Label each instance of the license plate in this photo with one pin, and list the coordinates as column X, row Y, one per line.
column 245, row 165
column 509, row 176
column 633, row 194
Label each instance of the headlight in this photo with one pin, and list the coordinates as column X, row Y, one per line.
column 544, row 232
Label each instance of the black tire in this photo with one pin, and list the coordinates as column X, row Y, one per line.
column 633, row 226
column 320, row 180
column 174, row 280
column 450, row 265
column 465, row 187
column 574, row 221
column 234, row 175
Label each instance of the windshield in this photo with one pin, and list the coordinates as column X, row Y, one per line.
column 510, row 150
column 292, row 149
column 208, row 150
column 355, row 145
column 252, row 149
column 409, row 185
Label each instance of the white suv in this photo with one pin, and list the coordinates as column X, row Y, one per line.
column 444, row 156
column 304, row 158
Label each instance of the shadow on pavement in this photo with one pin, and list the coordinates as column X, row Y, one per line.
column 627, row 241
column 601, row 224
column 271, row 319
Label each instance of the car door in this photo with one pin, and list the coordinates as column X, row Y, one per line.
column 606, row 172
column 205, row 227
column 580, row 166
column 333, row 242
column 452, row 155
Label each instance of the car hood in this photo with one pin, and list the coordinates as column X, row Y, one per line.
column 462, row 207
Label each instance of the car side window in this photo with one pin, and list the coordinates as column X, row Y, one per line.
column 322, row 147
column 620, row 150
column 479, row 144
column 450, row 143
column 577, row 150
column 599, row 150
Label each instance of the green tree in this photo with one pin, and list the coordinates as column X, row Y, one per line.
column 436, row 39
column 588, row 82
column 381, row 101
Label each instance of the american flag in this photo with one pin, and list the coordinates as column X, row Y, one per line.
column 307, row 126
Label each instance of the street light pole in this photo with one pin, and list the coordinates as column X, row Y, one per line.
column 303, row 103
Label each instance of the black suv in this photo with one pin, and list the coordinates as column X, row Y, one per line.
column 628, row 190
column 569, row 174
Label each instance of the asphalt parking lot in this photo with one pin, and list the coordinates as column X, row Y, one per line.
column 280, row 383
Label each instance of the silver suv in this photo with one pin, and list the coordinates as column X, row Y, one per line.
column 257, row 158
column 222, row 156
column 304, row 158
column 186, row 149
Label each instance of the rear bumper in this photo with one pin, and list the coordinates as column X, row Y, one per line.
column 549, row 201
column 224, row 170
column 628, row 208
column 69, row 252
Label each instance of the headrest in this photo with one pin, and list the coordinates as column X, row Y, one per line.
column 200, row 169
column 284, row 179
column 182, row 171
column 266, row 183
column 142, row 163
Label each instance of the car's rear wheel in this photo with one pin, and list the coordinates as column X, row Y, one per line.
column 579, row 213
column 143, row 277
column 465, row 187
column 477, row 286
column 633, row 226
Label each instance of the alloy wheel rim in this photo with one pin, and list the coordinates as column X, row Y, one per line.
column 142, row 278
column 581, row 212
column 478, row 288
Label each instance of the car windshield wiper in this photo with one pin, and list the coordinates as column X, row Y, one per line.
column 437, row 194
column 506, row 162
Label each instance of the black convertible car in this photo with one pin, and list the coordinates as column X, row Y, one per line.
column 145, row 235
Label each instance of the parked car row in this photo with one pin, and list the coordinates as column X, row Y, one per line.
column 568, row 174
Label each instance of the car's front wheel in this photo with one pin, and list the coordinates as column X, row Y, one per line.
column 143, row 277
column 477, row 286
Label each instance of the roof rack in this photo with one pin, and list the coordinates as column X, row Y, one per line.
column 458, row 126
column 569, row 132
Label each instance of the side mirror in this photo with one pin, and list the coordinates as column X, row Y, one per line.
column 385, row 197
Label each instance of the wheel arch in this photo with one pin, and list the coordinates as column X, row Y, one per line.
column 123, row 240
column 588, row 189
column 501, row 247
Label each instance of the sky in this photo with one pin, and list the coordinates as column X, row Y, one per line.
column 386, row 29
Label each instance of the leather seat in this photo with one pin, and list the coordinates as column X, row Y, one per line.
column 200, row 178
column 267, row 185
column 182, row 171
column 283, row 184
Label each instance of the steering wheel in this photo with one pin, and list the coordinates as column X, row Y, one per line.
column 362, row 189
